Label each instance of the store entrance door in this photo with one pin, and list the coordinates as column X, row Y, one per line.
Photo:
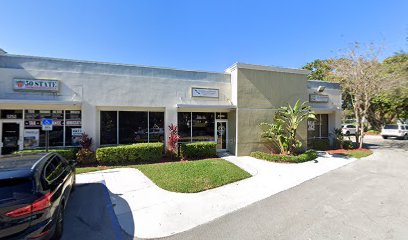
column 9, row 136
column 221, row 133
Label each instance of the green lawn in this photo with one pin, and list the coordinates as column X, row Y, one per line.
column 187, row 177
column 358, row 154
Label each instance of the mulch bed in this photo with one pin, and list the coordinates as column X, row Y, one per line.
column 344, row 151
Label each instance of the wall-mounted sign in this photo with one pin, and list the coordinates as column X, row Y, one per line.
column 205, row 92
column 36, row 85
column 31, row 138
column 318, row 98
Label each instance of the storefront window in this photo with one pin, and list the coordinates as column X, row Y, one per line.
column 184, row 126
column 73, row 129
column 203, row 127
column 34, row 136
column 56, row 136
column 221, row 115
column 156, row 126
column 11, row 114
column 197, row 126
column 109, row 127
column 132, row 127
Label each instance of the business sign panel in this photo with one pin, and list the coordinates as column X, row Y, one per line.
column 318, row 98
column 36, row 85
column 205, row 92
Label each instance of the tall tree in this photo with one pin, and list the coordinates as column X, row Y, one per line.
column 391, row 106
column 363, row 77
column 320, row 69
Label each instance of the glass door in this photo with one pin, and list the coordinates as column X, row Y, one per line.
column 221, row 133
column 10, row 137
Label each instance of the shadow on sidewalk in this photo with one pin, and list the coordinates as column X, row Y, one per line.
column 90, row 215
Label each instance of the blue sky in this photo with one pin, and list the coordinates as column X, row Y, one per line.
column 203, row 35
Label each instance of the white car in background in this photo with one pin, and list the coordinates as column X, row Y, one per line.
column 395, row 130
column 348, row 129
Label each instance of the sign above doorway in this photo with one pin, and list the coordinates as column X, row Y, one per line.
column 205, row 92
column 36, row 85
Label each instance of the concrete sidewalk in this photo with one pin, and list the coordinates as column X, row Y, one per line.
column 147, row 211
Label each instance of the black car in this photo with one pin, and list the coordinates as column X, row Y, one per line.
column 34, row 190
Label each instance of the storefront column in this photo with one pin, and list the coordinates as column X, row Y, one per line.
column 89, row 122
column 170, row 117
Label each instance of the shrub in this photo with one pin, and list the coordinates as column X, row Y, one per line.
column 198, row 150
column 304, row 157
column 67, row 153
column 130, row 153
column 172, row 141
column 85, row 156
column 321, row 144
column 347, row 144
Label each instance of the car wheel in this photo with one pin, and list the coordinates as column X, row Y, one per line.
column 385, row 137
column 348, row 133
column 59, row 227
column 406, row 137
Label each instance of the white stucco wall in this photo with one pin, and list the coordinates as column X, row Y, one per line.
column 108, row 87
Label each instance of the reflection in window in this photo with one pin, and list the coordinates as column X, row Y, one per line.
column 203, row 127
column 132, row 127
column 196, row 126
column 108, row 127
column 156, row 126
column 184, row 126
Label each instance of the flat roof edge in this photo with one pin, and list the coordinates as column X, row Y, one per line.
column 267, row 68
column 104, row 63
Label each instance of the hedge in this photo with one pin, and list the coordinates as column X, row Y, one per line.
column 304, row 157
column 320, row 144
column 67, row 153
column 198, row 150
column 150, row 152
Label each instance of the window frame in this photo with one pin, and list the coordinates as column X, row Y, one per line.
column 118, row 123
column 215, row 121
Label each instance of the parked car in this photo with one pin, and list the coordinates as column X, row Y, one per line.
column 34, row 190
column 395, row 130
column 348, row 129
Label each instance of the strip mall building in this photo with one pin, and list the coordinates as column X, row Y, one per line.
column 122, row 104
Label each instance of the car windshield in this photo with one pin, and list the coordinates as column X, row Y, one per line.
column 13, row 189
column 391, row 127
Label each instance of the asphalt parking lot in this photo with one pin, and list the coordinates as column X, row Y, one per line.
column 89, row 214
column 365, row 199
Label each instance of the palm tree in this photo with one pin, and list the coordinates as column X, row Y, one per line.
column 292, row 117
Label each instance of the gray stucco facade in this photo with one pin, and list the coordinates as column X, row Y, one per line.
column 89, row 91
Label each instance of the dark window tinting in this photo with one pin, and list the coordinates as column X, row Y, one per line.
column 203, row 126
column 132, row 127
column 15, row 189
column 108, row 128
column 184, row 126
column 156, row 126
column 391, row 127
